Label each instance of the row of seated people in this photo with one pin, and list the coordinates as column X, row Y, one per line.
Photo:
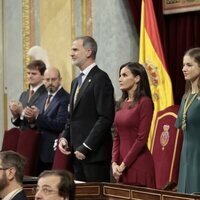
column 166, row 148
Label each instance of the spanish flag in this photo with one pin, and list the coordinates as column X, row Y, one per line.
column 152, row 57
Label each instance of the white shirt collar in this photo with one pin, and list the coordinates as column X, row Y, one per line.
column 10, row 195
column 36, row 88
column 53, row 94
column 87, row 69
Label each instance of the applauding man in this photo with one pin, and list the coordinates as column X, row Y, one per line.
column 51, row 118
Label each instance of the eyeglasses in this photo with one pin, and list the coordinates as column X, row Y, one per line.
column 1, row 168
column 46, row 191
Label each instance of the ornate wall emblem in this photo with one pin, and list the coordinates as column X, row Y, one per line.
column 164, row 137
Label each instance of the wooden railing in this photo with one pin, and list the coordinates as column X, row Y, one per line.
column 112, row 191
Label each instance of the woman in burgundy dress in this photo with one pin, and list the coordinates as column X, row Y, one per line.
column 132, row 162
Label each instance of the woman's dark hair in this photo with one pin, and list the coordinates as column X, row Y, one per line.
column 193, row 53
column 143, row 88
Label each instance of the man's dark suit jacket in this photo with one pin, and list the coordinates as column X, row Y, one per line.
column 24, row 99
column 51, row 122
column 20, row 196
column 91, row 117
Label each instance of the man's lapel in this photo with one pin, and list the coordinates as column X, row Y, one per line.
column 72, row 94
column 84, row 86
column 86, row 83
column 25, row 99
column 36, row 95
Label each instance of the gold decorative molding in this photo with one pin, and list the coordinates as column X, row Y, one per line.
column 72, row 31
column 27, row 32
column 72, row 21
column 87, row 19
column 110, row 191
column 84, row 17
column 26, row 36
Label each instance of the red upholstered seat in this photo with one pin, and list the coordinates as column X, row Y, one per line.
column 166, row 147
column 62, row 161
column 10, row 139
column 28, row 146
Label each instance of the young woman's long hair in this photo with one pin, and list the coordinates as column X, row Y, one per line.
column 193, row 53
column 143, row 87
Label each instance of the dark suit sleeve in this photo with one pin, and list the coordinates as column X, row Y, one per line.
column 22, row 99
column 16, row 121
column 20, row 196
column 66, row 132
column 104, row 99
column 54, row 123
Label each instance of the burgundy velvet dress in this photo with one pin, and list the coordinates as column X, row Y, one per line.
column 132, row 126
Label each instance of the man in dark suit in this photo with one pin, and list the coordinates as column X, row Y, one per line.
column 11, row 176
column 88, row 131
column 50, row 120
column 35, row 74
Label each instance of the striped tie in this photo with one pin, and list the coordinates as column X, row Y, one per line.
column 47, row 101
column 31, row 93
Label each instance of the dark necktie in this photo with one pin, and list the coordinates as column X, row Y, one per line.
column 31, row 93
column 79, row 85
column 47, row 101
column 80, row 76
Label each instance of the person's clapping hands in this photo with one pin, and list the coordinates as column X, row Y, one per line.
column 16, row 108
column 31, row 113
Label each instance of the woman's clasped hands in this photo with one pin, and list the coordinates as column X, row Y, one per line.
column 118, row 170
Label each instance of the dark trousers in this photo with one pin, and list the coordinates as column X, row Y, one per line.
column 91, row 172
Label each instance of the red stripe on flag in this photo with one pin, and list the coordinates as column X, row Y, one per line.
column 152, row 30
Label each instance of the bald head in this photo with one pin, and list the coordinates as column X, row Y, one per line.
column 52, row 79
column 52, row 70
